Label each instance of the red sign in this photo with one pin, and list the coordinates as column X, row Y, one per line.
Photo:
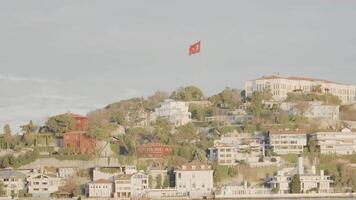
column 194, row 48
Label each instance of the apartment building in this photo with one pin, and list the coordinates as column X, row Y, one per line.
column 235, row 147
column 41, row 185
column 175, row 111
column 194, row 179
column 13, row 182
column 131, row 185
column 281, row 86
column 342, row 142
column 283, row 142
column 309, row 181
column 100, row 188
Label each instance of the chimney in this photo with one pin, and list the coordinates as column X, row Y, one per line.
column 300, row 165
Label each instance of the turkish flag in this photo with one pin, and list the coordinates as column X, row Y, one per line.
column 194, row 48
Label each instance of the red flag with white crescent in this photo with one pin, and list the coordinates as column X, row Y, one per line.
column 194, row 48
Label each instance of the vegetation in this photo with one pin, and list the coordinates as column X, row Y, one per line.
column 60, row 124
column 305, row 97
column 295, row 184
column 189, row 93
column 12, row 161
column 228, row 98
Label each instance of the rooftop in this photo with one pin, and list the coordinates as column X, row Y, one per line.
column 297, row 78
column 11, row 174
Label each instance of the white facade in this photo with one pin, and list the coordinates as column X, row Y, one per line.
column 66, row 172
column 342, row 143
column 175, row 111
column 287, row 141
column 235, row 147
column 310, row 182
column 194, row 179
column 133, row 185
column 281, row 86
column 13, row 182
column 100, row 188
column 42, row 185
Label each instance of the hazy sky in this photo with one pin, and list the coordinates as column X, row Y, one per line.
column 58, row 56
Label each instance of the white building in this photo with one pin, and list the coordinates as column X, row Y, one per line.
column 100, row 188
column 131, row 185
column 342, row 143
column 287, row 141
column 175, row 111
column 310, row 182
column 235, row 147
column 42, row 185
column 13, row 182
column 66, row 172
column 281, row 86
column 194, row 180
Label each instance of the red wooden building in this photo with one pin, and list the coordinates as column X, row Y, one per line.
column 154, row 150
column 79, row 141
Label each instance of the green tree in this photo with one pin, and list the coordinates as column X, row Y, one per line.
column 2, row 189
column 8, row 138
column 158, row 181
column 228, row 98
column 28, row 128
column 166, row 182
column 295, row 184
column 189, row 93
column 60, row 124
column 150, row 181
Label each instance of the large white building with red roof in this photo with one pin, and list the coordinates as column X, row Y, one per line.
column 280, row 86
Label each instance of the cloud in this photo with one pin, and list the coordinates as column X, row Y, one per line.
column 12, row 78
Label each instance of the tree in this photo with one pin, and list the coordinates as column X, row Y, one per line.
column 228, row 98
column 2, row 189
column 28, row 133
column 60, row 124
column 150, row 181
column 166, row 182
column 256, row 107
column 189, row 93
column 72, row 187
column 295, row 184
column 8, row 139
column 158, row 181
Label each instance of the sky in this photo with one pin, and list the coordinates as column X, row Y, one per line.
column 58, row 56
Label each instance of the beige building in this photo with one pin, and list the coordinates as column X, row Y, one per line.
column 131, row 186
column 194, row 180
column 13, row 182
column 311, row 182
column 175, row 111
column 342, row 143
column 100, row 188
column 284, row 142
column 235, row 147
column 281, row 86
column 42, row 185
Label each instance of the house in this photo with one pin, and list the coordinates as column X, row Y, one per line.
column 283, row 142
column 280, row 86
column 41, row 185
column 13, row 182
column 310, row 182
column 66, row 172
column 235, row 147
column 79, row 142
column 100, row 188
column 194, row 179
column 154, row 150
column 342, row 142
column 175, row 111
column 131, row 185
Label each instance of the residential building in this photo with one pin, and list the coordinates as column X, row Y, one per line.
column 66, row 172
column 194, row 179
column 342, row 142
column 100, row 188
column 310, row 182
column 13, row 182
column 42, row 185
column 281, row 86
column 79, row 142
column 235, row 147
column 131, row 185
column 284, row 142
column 175, row 111
column 154, row 150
